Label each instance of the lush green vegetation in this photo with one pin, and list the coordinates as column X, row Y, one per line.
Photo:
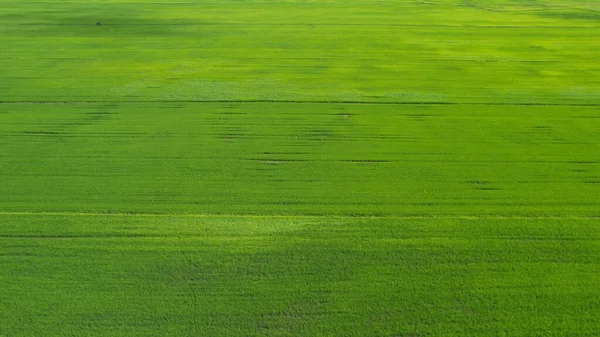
column 275, row 158
column 298, row 276
column 300, row 168
column 440, row 51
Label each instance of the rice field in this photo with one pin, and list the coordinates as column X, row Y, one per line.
column 300, row 168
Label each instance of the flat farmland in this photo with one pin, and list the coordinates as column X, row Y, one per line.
column 124, row 275
column 296, row 158
column 300, row 168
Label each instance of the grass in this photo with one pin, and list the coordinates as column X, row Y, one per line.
column 449, row 51
column 299, row 168
column 289, row 158
column 125, row 275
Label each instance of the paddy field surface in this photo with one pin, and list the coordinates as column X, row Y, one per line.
column 300, row 168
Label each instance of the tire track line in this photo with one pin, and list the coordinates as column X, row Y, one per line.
column 300, row 216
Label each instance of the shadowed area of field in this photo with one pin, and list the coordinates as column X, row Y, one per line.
column 124, row 275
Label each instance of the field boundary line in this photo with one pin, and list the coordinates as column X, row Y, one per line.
column 314, row 24
column 303, row 102
column 291, row 216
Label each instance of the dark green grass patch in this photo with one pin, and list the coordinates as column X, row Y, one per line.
column 292, row 158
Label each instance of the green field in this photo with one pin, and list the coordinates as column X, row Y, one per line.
column 300, row 168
